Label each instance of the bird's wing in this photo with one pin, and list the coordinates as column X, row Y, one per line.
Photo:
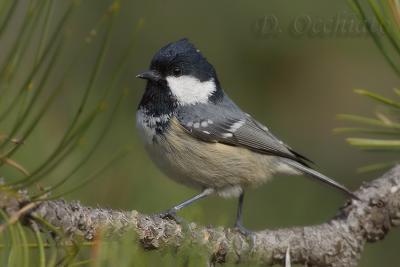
column 213, row 123
column 227, row 125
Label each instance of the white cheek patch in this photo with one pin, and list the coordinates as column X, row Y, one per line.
column 189, row 90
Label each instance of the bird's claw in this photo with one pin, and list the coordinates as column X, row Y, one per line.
column 243, row 230
column 171, row 215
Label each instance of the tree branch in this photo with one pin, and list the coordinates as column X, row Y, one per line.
column 338, row 242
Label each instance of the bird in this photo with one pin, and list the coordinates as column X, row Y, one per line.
column 198, row 136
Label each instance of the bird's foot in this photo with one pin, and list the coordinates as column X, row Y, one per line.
column 243, row 230
column 171, row 215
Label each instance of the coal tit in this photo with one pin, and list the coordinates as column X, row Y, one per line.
column 199, row 137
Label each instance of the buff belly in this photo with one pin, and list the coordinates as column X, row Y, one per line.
column 195, row 163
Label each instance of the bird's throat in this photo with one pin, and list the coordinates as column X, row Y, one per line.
column 157, row 100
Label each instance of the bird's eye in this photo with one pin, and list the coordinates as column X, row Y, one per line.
column 177, row 71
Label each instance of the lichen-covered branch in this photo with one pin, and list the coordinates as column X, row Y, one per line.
column 338, row 242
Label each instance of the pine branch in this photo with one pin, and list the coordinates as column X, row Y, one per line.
column 338, row 242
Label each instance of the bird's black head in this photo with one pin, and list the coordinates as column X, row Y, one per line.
column 180, row 75
column 181, row 58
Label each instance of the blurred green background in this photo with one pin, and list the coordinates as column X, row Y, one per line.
column 295, row 85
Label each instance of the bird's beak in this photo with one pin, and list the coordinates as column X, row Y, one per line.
column 150, row 75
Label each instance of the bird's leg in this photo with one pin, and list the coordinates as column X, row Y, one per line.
column 171, row 213
column 238, row 224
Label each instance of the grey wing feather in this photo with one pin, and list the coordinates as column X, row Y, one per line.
column 256, row 137
column 226, row 123
column 300, row 158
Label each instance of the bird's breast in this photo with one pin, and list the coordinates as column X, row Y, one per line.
column 200, row 164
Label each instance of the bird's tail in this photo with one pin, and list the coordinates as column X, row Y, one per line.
column 314, row 174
